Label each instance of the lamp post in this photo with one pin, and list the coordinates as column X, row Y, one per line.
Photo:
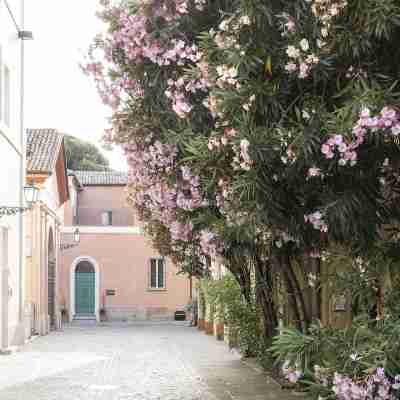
column 31, row 194
column 77, row 239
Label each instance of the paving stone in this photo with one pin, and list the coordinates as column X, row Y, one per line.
column 155, row 361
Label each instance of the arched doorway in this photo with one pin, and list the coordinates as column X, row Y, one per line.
column 51, row 281
column 85, row 289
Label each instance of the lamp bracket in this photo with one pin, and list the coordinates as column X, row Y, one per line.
column 8, row 211
column 66, row 246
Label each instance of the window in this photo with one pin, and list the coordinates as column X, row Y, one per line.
column 106, row 218
column 7, row 96
column 157, row 273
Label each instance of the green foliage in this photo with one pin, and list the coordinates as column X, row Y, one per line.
column 84, row 156
column 241, row 316
column 356, row 351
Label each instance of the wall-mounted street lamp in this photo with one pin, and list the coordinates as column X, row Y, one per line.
column 31, row 194
column 76, row 240
column 25, row 35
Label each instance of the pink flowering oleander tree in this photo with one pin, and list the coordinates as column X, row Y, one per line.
column 263, row 133
column 148, row 68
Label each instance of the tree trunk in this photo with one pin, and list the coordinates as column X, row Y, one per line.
column 298, row 303
column 312, row 266
column 265, row 297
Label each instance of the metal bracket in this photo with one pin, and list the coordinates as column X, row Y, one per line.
column 8, row 211
column 66, row 246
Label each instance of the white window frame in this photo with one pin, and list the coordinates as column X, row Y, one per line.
column 160, row 261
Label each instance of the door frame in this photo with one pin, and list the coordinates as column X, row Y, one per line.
column 95, row 265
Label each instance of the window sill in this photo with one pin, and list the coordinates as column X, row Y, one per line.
column 156, row 289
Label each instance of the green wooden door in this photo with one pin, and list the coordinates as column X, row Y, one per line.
column 84, row 292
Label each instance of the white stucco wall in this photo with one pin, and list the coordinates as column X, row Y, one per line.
column 11, row 178
column 50, row 196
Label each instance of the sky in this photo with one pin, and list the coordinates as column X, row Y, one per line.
column 57, row 94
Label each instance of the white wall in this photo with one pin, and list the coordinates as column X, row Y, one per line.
column 11, row 178
column 49, row 194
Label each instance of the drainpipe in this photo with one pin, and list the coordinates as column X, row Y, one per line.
column 22, row 173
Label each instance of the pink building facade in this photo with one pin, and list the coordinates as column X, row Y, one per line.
column 113, row 273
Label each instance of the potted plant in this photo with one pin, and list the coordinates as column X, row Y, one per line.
column 103, row 314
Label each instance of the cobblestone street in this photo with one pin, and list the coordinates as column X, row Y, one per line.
column 130, row 362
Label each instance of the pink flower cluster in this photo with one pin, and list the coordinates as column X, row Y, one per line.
column 227, row 76
column 242, row 159
column 316, row 219
column 189, row 196
column 178, row 92
column 223, row 194
column 209, row 243
column 134, row 38
column 387, row 121
column 346, row 151
column 229, row 31
column 150, row 165
column 314, row 172
column 326, row 10
column 217, row 143
column 137, row 43
column 213, row 104
column 288, row 25
column 292, row 374
column 181, row 231
column 301, row 60
column 112, row 91
column 375, row 387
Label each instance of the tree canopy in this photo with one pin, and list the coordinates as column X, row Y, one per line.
column 82, row 155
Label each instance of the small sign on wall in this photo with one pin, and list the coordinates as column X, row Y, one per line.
column 110, row 292
column 340, row 303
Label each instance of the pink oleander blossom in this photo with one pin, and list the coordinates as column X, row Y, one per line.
column 292, row 374
column 316, row 219
column 387, row 121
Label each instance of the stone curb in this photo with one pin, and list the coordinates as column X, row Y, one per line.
column 254, row 365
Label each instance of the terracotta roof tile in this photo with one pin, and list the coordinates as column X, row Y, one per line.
column 42, row 149
column 101, row 178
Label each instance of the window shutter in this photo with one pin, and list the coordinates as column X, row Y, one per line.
column 153, row 273
column 161, row 273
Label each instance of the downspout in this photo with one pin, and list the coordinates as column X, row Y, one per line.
column 39, row 274
column 22, row 173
